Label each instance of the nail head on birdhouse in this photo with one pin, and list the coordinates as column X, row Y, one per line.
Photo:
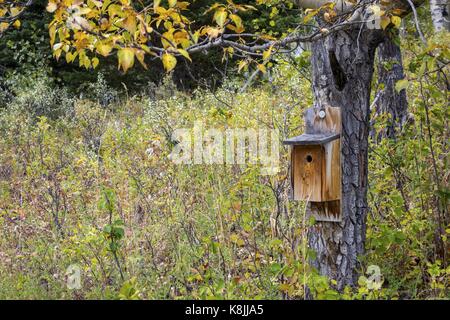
column 322, row 114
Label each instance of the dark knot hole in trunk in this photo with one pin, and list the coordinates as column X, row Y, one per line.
column 340, row 80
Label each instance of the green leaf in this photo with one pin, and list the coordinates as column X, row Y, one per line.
column 275, row 267
column 401, row 84
column 107, row 229
column 185, row 54
column 220, row 17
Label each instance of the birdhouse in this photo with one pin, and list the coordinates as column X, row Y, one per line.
column 315, row 169
column 315, row 164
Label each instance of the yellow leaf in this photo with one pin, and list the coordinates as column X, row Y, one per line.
column 95, row 62
column 235, row 29
column 97, row 3
column 267, row 37
column 185, row 54
column 172, row 3
column 169, row 61
column 267, row 53
column 195, row 36
column 398, row 12
column 147, row 50
column 114, row 10
column 126, row 58
column 168, row 25
column 104, row 49
column 242, row 65
column 213, row 7
column 57, row 53
column 212, row 32
column 70, row 57
column 183, row 5
column 3, row 26
column 167, row 39
column 16, row 24
column 15, row 11
column 262, row 68
column 140, row 55
column 52, row 33
column 130, row 23
column 310, row 13
column 397, row 21
column 385, row 21
column 84, row 11
column 237, row 20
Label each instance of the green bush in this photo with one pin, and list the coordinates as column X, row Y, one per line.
column 94, row 187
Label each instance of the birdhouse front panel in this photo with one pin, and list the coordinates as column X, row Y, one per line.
column 316, row 170
column 307, row 168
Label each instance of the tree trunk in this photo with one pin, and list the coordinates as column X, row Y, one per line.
column 440, row 14
column 390, row 70
column 342, row 67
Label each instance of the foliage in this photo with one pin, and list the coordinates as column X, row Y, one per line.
column 95, row 188
column 409, row 196
column 171, row 30
column 86, row 177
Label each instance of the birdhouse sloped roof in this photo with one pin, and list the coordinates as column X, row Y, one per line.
column 312, row 139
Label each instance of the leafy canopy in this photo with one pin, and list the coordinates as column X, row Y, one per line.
column 86, row 30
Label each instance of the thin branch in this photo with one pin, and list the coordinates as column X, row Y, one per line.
column 416, row 20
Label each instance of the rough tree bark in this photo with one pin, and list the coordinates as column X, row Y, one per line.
column 390, row 70
column 440, row 14
column 342, row 73
column 342, row 65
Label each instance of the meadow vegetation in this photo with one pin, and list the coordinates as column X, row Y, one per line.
column 87, row 180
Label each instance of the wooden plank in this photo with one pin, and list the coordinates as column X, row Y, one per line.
column 308, row 165
column 331, row 123
column 331, row 179
column 329, row 209
column 325, row 211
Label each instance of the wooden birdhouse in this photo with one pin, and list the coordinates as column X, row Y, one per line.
column 315, row 164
